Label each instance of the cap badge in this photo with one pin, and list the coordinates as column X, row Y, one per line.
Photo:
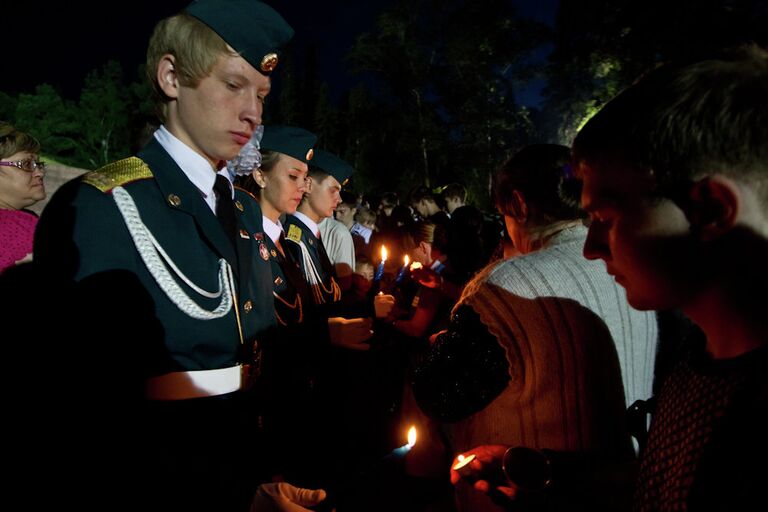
column 269, row 62
column 310, row 154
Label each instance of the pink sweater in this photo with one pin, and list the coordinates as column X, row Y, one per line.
column 17, row 228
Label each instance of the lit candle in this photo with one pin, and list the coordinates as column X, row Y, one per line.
column 352, row 484
column 380, row 269
column 402, row 450
column 462, row 465
column 401, row 274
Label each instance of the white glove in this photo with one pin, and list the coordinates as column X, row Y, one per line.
column 283, row 497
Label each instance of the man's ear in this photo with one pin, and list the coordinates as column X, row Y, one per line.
column 310, row 182
column 714, row 206
column 166, row 76
column 518, row 207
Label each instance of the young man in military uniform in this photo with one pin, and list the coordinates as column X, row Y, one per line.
column 160, row 262
column 327, row 175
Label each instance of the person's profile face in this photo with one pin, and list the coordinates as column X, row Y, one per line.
column 345, row 214
column 21, row 188
column 421, row 208
column 285, row 184
column 451, row 203
column 644, row 241
column 323, row 196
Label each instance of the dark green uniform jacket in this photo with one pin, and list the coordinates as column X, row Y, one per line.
column 191, row 454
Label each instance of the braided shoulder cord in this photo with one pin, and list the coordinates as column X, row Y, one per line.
column 153, row 256
column 311, row 273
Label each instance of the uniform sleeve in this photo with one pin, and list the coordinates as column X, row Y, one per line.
column 463, row 371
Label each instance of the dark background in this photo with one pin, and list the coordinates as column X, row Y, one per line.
column 60, row 43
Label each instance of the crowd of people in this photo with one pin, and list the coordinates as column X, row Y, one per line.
column 225, row 327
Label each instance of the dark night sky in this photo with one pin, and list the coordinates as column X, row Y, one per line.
column 60, row 43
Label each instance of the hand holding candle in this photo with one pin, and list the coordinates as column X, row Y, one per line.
column 383, row 305
column 462, row 466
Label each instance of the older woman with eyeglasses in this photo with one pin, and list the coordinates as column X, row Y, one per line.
column 21, row 186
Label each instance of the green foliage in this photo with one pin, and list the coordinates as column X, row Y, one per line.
column 601, row 46
column 104, row 115
column 53, row 120
column 88, row 133
column 444, row 102
column 7, row 106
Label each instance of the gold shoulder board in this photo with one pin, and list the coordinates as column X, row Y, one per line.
column 294, row 233
column 118, row 174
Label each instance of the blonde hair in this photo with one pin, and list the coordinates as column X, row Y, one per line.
column 195, row 47
column 416, row 233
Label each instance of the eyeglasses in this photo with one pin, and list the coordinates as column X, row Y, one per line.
column 25, row 165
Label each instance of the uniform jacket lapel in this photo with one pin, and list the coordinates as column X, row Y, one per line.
column 173, row 182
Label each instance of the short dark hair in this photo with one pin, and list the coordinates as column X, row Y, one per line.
column 316, row 173
column 456, row 190
column 684, row 120
column 542, row 172
column 348, row 198
column 390, row 199
column 419, row 193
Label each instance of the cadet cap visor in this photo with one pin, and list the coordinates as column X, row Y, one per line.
column 251, row 28
column 332, row 165
column 289, row 140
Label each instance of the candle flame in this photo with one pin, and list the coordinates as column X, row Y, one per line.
column 383, row 253
column 407, row 260
column 461, row 457
column 416, row 265
column 412, row 436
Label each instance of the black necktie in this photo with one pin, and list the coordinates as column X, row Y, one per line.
column 281, row 243
column 225, row 210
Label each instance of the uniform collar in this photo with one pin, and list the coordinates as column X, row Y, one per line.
column 194, row 166
column 272, row 229
column 312, row 225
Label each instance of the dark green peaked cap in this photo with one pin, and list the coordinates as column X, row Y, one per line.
column 255, row 30
column 332, row 165
column 289, row 140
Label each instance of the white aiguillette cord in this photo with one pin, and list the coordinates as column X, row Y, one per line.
column 153, row 256
column 312, row 275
